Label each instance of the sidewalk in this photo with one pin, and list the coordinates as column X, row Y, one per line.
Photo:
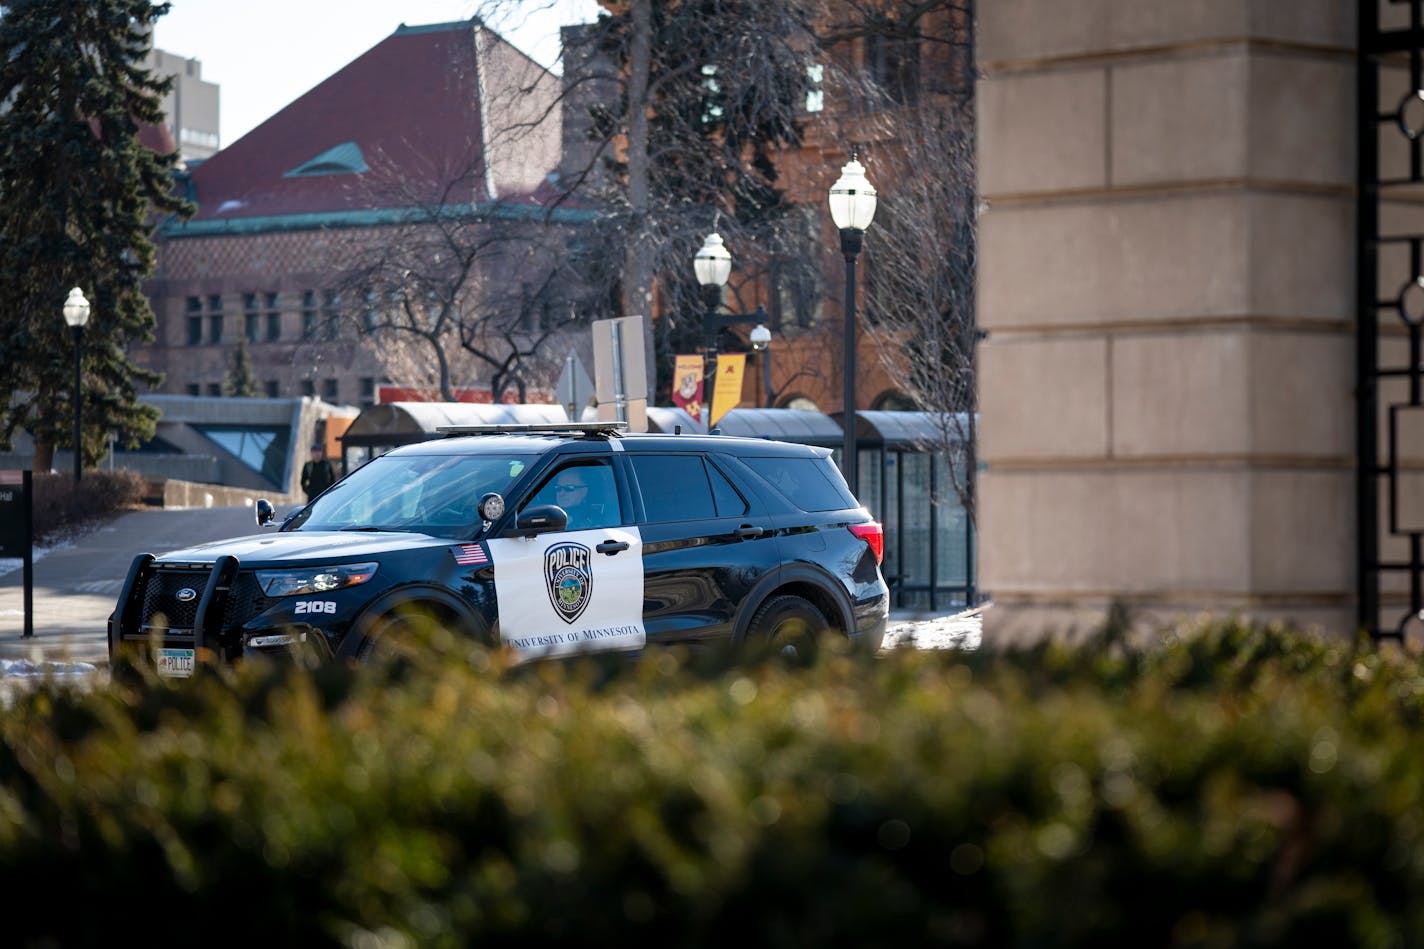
column 76, row 584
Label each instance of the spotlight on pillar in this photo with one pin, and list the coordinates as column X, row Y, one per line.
column 76, row 314
column 852, row 201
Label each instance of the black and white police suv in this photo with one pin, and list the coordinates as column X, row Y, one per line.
column 548, row 540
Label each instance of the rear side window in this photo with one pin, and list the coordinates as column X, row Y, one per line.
column 812, row 484
column 682, row 487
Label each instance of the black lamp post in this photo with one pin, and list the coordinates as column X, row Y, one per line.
column 852, row 202
column 713, row 265
column 76, row 314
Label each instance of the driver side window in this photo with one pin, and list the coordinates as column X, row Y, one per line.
column 587, row 493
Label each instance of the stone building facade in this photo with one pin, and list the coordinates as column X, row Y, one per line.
column 1166, row 282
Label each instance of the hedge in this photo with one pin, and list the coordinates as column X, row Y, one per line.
column 1231, row 785
column 62, row 508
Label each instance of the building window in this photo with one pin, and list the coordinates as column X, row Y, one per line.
column 274, row 317
column 308, row 315
column 215, row 319
column 194, row 389
column 214, row 389
column 894, row 65
column 251, row 319
column 329, row 390
column 272, row 388
column 330, row 314
column 370, row 314
column 815, row 92
column 368, row 391
column 195, row 320
column 308, row 387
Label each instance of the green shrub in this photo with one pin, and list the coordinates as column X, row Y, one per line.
column 61, row 507
column 1231, row 786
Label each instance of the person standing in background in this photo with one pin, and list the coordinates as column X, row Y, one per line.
column 317, row 474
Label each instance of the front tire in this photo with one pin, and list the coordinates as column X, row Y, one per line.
column 789, row 624
column 408, row 633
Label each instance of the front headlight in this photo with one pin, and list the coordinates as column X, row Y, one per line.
column 314, row 579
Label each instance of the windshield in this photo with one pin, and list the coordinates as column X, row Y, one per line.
column 426, row 494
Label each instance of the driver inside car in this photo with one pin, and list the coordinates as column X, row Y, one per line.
column 586, row 494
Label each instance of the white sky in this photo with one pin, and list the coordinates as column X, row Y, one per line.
column 263, row 54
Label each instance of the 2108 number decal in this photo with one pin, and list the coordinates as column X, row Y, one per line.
column 316, row 606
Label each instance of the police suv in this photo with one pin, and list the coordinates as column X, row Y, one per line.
column 547, row 540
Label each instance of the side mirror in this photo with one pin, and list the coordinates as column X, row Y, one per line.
column 541, row 519
column 265, row 513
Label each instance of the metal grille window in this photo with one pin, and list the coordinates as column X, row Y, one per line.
column 1390, row 320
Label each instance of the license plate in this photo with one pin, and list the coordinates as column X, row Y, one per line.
column 175, row 663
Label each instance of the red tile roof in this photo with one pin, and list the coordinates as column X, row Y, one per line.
column 411, row 104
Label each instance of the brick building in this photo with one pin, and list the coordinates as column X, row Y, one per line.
column 446, row 119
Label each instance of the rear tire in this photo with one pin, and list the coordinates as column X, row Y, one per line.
column 789, row 624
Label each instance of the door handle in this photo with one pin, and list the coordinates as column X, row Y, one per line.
column 747, row 531
column 611, row 547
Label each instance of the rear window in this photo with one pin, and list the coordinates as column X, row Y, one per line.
column 812, row 484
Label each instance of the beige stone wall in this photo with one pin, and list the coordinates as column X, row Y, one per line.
column 1166, row 281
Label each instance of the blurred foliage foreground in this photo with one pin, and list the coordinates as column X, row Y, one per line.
column 1228, row 786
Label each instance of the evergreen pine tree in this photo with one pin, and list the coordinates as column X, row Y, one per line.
column 240, row 379
column 79, row 198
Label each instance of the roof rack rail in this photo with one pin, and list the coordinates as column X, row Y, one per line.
column 584, row 429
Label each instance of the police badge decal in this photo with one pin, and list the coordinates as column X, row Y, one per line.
column 568, row 579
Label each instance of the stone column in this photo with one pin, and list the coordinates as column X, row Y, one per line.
column 1166, row 281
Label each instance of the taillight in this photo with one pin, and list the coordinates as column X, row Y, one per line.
column 874, row 535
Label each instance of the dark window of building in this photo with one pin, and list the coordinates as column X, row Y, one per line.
column 893, row 63
column 261, row 448
column 308, row 315
column 273, row 388
column 329, row 390
column 796, row 291
column 370, row 313
column 195, row 320
column 368, row 391
column 194, row 389
column 331, row 314
column 251, row 319
column 308, row 387
column 215, row 319
column 214, row 389
column 274, row 317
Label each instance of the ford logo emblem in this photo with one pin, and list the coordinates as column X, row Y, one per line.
column 187, row 594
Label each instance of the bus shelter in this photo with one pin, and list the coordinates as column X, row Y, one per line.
column 388, row 425
column 916, row 477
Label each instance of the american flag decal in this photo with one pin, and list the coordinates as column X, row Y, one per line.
column 468, row 554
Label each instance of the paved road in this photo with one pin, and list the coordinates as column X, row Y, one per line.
column 77, row 583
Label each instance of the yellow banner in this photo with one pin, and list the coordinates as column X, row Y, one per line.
column 727, row 391
column 687, row 385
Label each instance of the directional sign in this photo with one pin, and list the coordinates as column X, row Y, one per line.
column 574, row 387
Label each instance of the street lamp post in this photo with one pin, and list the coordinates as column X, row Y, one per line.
column 76, row 314
column 713, row 265
column 760, row 338
column 852, row 201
